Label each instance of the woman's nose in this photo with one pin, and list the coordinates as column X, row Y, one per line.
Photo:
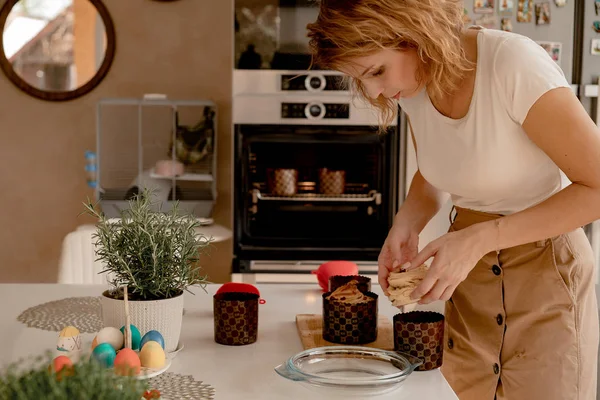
column 373, row 91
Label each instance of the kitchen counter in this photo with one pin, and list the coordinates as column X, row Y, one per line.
column 243, row 372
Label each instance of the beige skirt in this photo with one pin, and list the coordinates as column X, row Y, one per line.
column 524, row 324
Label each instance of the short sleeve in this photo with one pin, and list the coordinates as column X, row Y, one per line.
column 524, row 71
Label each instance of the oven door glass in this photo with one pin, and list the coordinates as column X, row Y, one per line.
column 271, row 34
column 315, row 188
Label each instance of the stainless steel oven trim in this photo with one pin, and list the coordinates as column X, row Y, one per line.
column 304, row 265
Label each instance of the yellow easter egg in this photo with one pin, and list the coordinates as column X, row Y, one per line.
column 94, row 343
column 69, row 340
column 69, row 331
column 152, row 355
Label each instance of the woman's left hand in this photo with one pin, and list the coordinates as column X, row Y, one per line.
column 454, row 254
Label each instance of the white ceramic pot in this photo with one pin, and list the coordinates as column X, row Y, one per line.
column 164, row 316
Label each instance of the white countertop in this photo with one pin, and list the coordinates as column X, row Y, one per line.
column 240, row 372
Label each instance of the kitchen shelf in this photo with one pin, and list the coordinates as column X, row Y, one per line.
column 184, row 177
column 372, row 196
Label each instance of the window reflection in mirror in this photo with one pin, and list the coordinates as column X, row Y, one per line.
column 55, row 45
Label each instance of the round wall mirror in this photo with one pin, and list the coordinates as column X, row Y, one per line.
column 56, row 50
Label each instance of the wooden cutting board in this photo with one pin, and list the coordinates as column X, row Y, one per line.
column 310, row 328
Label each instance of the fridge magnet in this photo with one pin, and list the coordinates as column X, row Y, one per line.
column 505, row 7
column 554, row 49
column 597, row 26
column 483, row 6
column 542, row 13
column 596, row 47
column 560, row 3
column 524, row 10
column 487, row 21
column 506, row 24
column 597, row 6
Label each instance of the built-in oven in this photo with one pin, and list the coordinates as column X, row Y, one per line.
column 314, row 180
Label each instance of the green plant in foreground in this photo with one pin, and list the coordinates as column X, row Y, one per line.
column 154, row 253
column 85, row 380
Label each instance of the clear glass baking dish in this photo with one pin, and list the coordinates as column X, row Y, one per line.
column 349, row 371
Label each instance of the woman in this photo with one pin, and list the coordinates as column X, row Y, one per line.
column 493, row 121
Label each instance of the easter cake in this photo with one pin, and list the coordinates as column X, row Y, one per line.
column 349, row 315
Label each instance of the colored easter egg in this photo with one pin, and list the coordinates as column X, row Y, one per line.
column 154, row 336
column 61, row 362
column 111, row 335
column 127, row 362
column 69, row 340
column 94, row 342
column 136, row 337
column 105, row 354
column 152, row 355
column 69, row 331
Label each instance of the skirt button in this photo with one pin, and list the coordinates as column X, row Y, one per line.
column 450, row 343
column 496, row 369
column 496, row 270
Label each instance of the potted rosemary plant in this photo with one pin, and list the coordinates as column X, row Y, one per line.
column 84, row 380
column 155, row 254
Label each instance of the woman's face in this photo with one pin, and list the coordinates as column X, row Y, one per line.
column 389, row 73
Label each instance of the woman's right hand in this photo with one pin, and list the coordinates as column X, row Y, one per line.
column 400, row 247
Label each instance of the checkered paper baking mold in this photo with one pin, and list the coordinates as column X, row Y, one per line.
column 236, row 318
column 332, row 182
column 420, row 334
column 350, row 323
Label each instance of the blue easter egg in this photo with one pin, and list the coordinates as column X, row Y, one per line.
column 136, row 336
column 105, row 354
column 153, row 336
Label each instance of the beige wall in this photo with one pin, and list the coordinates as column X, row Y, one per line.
column 84, row 31
column 182, row 49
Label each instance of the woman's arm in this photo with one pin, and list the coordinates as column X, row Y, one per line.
column 423, row 200
column 422, row 203
column 558, row 124
column 402, row 243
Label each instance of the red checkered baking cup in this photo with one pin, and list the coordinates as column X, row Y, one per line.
column 236, row 318
column 420, row 334
column 364, row 282
column 350, row 323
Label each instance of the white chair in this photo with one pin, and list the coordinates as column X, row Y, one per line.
column 77, row 260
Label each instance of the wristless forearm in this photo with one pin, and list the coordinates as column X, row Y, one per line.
column 422, row 203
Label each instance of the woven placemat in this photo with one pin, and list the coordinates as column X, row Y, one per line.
column 84, row 313
column 175, row 387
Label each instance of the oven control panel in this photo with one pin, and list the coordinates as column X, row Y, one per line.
column 315, row 110
column 312, row 82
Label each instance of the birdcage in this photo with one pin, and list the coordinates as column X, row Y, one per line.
column 168, row 146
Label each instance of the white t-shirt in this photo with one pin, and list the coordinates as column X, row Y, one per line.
column 485, row 160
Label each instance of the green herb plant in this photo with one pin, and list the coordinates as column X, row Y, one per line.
column 85, row 380
column 154, row 253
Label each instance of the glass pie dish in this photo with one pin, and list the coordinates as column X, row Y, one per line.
column 349, row 371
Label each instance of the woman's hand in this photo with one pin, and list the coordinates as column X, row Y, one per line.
column 454, row 254
column 400, row 247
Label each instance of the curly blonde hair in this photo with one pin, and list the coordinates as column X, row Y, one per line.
column 346, row 29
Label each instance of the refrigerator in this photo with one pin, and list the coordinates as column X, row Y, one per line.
column 570, row 31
